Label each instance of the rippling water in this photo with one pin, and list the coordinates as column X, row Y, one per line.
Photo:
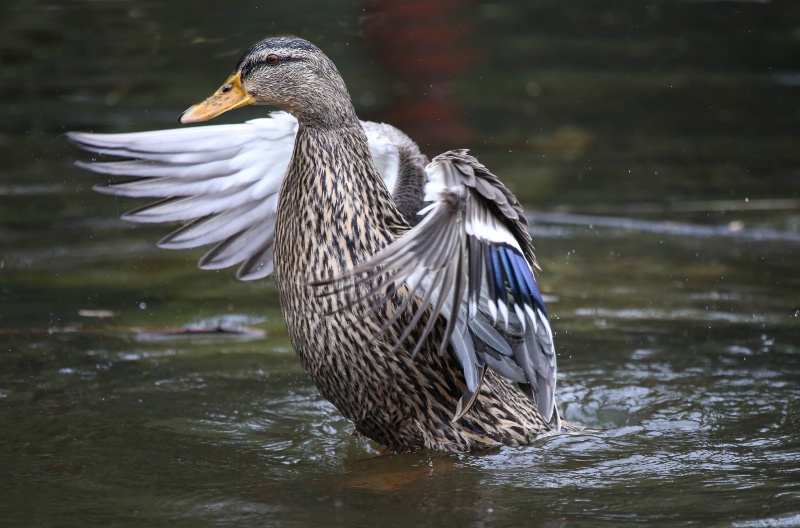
column 678, row 348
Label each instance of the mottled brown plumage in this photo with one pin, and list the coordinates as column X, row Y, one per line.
column 340, row 215
column 335, row 215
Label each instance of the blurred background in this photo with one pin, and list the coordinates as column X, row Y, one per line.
column 656, row 145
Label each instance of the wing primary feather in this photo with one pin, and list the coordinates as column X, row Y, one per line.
column 401, row 309
column 467, row 400
column 475, row 274
column 379, row 285
column 490, row 337
column 441, row 297
column 510, row 276
column 491, row 284
column 497, row 274
column 505, row 367
column 458, row 295
column 257, row 266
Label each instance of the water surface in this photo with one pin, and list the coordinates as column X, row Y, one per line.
column 680, row 347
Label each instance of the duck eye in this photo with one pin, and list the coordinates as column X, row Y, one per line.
column 272, row 59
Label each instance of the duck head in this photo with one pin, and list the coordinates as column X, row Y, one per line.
column 287, row 72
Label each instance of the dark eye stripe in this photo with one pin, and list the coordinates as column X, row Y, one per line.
column 248, row 67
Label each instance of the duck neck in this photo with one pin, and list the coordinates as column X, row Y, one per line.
column 334, row 207
column 326, row 116
column 328, row 106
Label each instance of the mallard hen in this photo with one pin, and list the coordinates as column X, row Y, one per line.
column 407, row 289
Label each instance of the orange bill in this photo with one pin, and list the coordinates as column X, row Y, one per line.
column 230, row 95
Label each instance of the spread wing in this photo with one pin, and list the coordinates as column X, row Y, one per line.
column 470, row 259
column 223, row 182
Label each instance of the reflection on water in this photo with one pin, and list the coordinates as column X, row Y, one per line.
column 682, row 350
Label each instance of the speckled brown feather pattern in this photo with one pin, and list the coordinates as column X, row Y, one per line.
column 334, row 213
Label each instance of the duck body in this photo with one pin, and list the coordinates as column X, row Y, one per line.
column 341, row 214
column 398, row 326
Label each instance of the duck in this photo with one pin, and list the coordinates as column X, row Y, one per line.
column 407, row 285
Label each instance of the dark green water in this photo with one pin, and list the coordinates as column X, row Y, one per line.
column 684, row 349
